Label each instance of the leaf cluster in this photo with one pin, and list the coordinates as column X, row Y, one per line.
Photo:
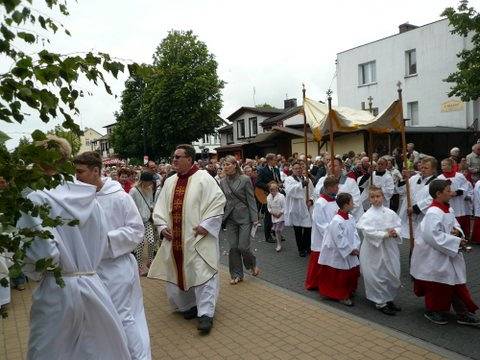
column 465, row 21
column 176, row 100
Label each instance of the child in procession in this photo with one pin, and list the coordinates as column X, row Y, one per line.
column 276, row 207
column 379, row 253
column 339, row 264
column 437, row 263
column 476, row 208
column 324, row 210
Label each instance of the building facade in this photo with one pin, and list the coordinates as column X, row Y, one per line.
column 420, row 58
column 205, row 146
column 88, row 139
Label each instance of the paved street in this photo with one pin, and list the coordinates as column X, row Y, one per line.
column 254, row 320
column 287, row 269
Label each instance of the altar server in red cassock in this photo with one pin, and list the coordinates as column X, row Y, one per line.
column 339, row 264
column 324, row 210
column 437, row 263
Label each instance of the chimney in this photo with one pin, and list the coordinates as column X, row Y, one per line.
column 406, row 27
column 289, row 103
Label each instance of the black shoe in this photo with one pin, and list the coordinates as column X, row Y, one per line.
column 190, row 313
column 436, row 317
column 270, row 240
column 205, row 324
column 387, row 310
column 394, row 307
column 468, row 319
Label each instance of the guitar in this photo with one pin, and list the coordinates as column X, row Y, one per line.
column 261, row 195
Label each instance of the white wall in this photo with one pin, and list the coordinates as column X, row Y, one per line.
column 436, row 51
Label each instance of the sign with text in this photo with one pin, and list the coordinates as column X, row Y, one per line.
column 452, row 105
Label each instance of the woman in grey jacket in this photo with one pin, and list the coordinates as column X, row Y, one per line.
column 239, row 217
column 145, row 195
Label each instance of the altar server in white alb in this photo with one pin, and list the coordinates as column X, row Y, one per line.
column 379, row 254
column 298, row 207
column 421, row 199
column 339, row 264
column 189, row 214
column 476, row 208
column 78, row 321
column 324, row 210
column 119, row 269
column 4, row 291
column 463, row 194
column 345, row 185
column 437, row 263
column 381, row 178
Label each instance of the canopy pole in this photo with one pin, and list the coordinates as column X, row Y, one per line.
column 307, row 195
column 330, row 124
column 405, row 166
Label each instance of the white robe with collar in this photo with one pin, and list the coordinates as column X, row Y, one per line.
column 379, row 254
column 341, row 238
column 297, row 213
column 420, row 197
column 435, row 256
column 385, row 182
column 119, row 269
column 323, row 213
column 79, row 321
column 349, row 186
column 461, row 204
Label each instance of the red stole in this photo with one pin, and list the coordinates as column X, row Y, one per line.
column 442, row 206
column 343, row 214
column 449, row 174
column 177, row 217
column 327, row 197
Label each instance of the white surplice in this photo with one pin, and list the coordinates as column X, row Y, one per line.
column 341, row 238
column 421, row 200
column 476, row 199
column 385, row 182
column 119, row 269
column 203, row 205
column 297, row 213
column 276, row 205
column 379, row 254
column 345, row 185
column 323, row 213
column 435, row 256
column 79, row 321
column 4, row 291
column 461, row 204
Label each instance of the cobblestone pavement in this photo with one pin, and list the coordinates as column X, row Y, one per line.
column 287, row 270
column 254, row 320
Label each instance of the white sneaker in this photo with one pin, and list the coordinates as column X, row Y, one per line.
column 278, row 248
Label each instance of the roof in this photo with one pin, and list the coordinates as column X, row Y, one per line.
column 225, row 128
column 231, row 147
column 112, row 124
column 286, row 114
column 255, row 110
column 390, row 36
column 280, row 130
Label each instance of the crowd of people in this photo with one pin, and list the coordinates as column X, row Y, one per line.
column 163, row 221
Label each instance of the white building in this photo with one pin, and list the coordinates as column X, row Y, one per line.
column 209, row 142
column 419, row 57
column 88, row 139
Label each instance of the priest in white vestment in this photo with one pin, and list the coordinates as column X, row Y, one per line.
column 345, row 185
column 379, row 253
column 78, row 321
column 189, row 214
column 118, row 268
column 381, row 178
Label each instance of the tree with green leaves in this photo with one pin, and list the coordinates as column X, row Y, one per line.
column 264, row 106
column 44, row 84
column 465, row 21
column 180, row 102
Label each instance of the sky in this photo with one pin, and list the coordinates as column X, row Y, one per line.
column 265, row 49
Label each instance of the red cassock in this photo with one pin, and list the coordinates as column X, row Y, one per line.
column 464, row 222
column 476, row 231
column 313, row 269
column 438, row 296
column 337, row 284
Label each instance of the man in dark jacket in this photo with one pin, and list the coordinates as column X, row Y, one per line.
column 267, row 174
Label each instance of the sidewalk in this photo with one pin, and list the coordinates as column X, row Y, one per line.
column 254, row 320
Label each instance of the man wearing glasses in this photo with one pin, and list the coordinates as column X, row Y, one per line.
column 188, row 214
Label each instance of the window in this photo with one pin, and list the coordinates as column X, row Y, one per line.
column 87, row 142
column 252, row 122
column 367, row 73
column 229, row 138
column 410, row 62
column 412, row 110
column 240, row 129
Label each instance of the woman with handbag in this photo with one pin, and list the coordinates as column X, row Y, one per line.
column 240, row 217
column 145, row 194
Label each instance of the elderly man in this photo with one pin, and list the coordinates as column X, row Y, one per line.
column 189, row 216
column 473, row 162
